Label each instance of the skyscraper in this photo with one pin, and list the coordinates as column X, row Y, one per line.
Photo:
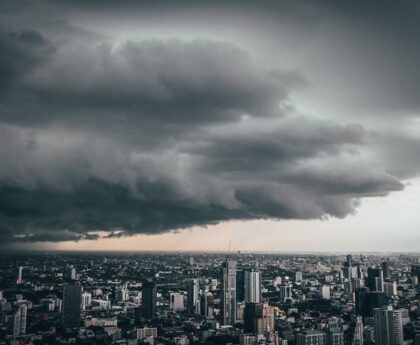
column 149, row 293
column 193, row 296
column 375, row 279
column 388, row 326
column 19, row 320
column 228, row 300
column 253, row 317
column 386, row 270
column 240, row 285
column 335, row 335
column 285, row 292
column 356, row 332
column 72, row 298
column 252, row 286
column 19, row 279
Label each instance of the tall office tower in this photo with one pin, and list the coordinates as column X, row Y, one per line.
column 206, row 303
column 193, row 296
column 311, row 338
column 19, row 320
column 268, row 316
column 349, row 261
column 348, row 288
column 253, row 317
column 86, row 300
column 240, row 285
column 252, row 286
column 19, row 279
column 366, row 301
column 258, row 318
column 72, row 298
column 415, row 271
column 122, row 295
column 298, row 277
column 285, row 292
column 354, row 333
column 390, row 289
column 388, row 326
column 149, row 294
column 228, row 300
column 176, row 301
column 335, row 335
column 386, row 270
column 71, row 273
column 375, row 279
column 347, row 272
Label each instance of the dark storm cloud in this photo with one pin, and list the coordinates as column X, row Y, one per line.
column 148, row 136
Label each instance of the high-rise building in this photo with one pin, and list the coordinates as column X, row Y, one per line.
column 19, row 320
column 19, row 279
column 258, row 318
column 298, row 277
column 193, row 296
column 366, row 301
column 176, row 301
column 375, row 279
column 325, row 292
column 86, row 300
column 149, row 296
column 285, row 292
column 253, row 315
column 386, row 270
column 240, row 285
column 72, row 296
column 311, row 338
column 228, row 300
column 252, row 286
column 335, row 335
column 71, row 273
column 354, row 333
column 390, row 289
column 122, row 295
column 388, row 326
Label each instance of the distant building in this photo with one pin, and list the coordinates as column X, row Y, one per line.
column 176, row 301
column 285, row 292
column 86, row 300
column 19, row 279
column 149, row 296
column 252, row 286
column 228, row 302
column 19, row 320
column 146, row 332
column 71, row 273
column 193, row 296
column 325, row 291
column 388, row 326
column 72, row 296
column 386, row 270
column 298, row 277
column 335, row 335
column 311, row 338
column 240, row 285
column 375, row 279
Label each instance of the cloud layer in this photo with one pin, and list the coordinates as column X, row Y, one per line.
column 148, row 136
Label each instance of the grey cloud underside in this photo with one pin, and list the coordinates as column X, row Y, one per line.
column 159, row 135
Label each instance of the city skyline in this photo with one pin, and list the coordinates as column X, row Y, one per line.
column 274, row 126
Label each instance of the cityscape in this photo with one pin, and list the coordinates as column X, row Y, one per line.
column 209, row 298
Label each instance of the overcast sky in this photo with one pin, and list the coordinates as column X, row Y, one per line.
column 162, row 125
